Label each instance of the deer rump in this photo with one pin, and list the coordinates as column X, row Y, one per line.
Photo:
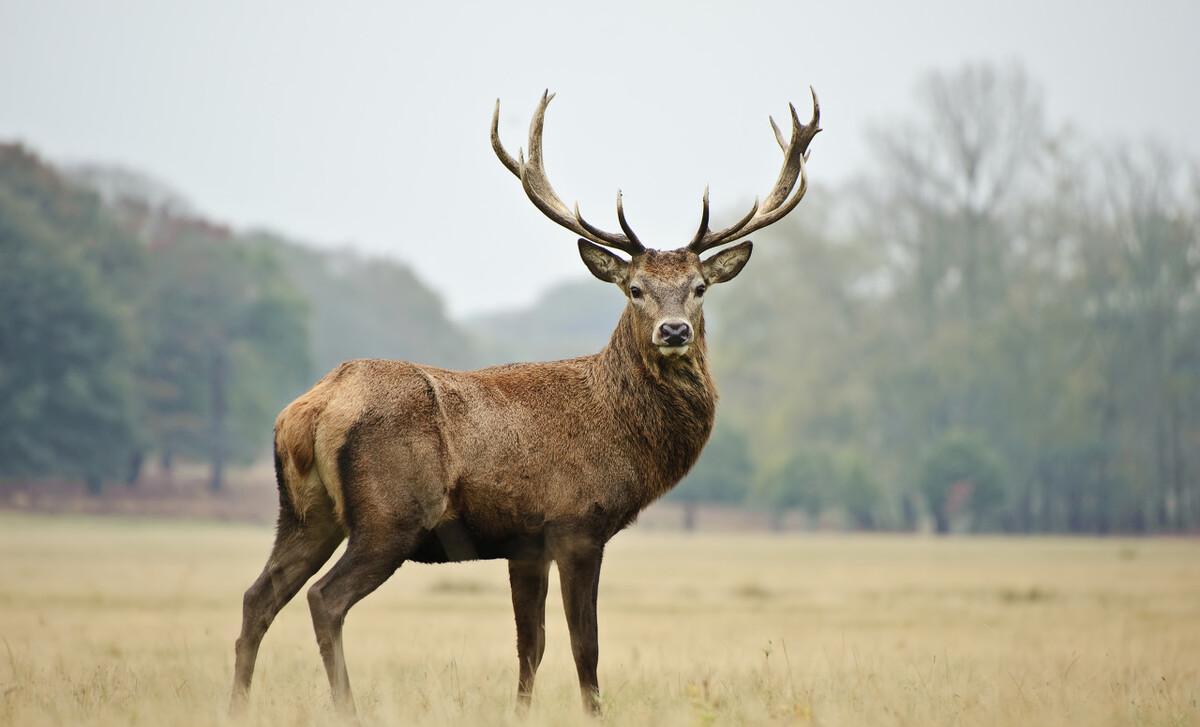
column 483, row 461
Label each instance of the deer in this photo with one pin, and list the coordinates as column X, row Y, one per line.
column 533, row 463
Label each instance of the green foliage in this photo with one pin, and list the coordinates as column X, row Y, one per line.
column 369, row 308
column 571, row 319
column 227, row 340
column 723, row 472
column 960, row 475
column 806, row 480
column 66, row 393
column 988, row 274
column 859, row 493
column 132, row 326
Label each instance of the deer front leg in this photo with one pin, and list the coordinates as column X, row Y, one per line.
column 530, row 579
column 579, row 572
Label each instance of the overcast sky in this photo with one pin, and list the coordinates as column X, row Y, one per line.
column 370, row 127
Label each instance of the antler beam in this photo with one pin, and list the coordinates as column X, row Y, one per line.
column 537, row 186
column 777, row 202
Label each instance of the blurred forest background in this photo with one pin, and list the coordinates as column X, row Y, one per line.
column 994, row 327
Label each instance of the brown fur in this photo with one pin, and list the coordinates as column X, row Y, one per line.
column 530, row 462
column 616, row 430
column 535, row 463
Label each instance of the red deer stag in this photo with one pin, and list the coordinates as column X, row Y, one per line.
column 532, row 463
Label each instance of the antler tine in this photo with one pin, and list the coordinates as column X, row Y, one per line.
column 505, row 159
column 625, row 223
column 778, row 134
column 536, row 184
column 777, row 202
column 703, row 229
column 815, row 122
column 595, row 234
column 704, row 236
column 790, row 170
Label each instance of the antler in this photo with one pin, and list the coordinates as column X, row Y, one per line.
column 537, row 186
column 777, row 203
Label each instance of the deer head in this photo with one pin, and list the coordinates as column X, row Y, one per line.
column 665, row 288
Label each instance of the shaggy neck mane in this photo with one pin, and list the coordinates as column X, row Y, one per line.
column 665, row 404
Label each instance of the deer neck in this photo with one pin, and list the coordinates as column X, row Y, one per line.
column 665, row 404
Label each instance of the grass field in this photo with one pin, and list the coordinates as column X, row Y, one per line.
column 132, row 622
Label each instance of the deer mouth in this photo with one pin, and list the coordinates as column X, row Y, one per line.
column 674, row 350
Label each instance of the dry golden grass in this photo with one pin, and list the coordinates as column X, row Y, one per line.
column 132, row 622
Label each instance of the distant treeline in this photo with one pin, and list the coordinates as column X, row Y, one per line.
column 996, row 327
column 131, row 327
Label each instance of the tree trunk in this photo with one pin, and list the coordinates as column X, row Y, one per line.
column 865, row 520
column 136, row 460
column 908, row 512
column 1025, row 510
column 217, row 424
column 689, row 515
column 94, row 485
column 1140, row 518
column 941, row 522
column 1074, row 503
column 1179, row 493
column 167, row 462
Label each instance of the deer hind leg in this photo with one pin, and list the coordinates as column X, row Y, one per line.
column 387, row 523
column 300, row 549
column 370, row 559
column 389, row 512
column 530, row 579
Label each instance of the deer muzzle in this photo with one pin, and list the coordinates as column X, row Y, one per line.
column 673, row 333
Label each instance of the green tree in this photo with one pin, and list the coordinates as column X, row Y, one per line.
column 721, row 475
column 574, row 318
column 1141, row 265
column 228, row 343
column 803, row 481
column 961, row 475
column 858, row 492
column 368, row 308
column 66, row 391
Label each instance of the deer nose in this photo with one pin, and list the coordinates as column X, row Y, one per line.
column 675, row 333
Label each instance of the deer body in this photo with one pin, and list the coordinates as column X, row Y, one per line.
column 535, row 463
column 501, row 454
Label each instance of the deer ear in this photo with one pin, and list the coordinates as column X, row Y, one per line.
column 603, row 264
column 726, row 264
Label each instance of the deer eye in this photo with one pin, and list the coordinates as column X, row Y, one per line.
column 635, row 292
column 700, row 290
